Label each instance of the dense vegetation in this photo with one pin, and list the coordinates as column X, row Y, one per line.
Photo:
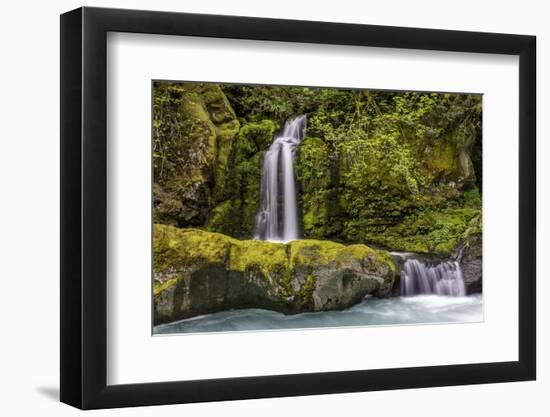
column 401, row 170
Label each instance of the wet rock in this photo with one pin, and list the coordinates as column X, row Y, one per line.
column 198, row 272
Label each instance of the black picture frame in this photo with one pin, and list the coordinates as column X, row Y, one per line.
column 84, row 207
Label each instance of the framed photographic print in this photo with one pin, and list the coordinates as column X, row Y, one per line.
column 258, row 208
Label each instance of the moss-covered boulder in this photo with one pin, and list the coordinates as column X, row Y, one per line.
column 335, row 276
column 199, row 272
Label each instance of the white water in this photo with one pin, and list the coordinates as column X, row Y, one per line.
column 277, row 219
column 441, row 279
column 370, row 312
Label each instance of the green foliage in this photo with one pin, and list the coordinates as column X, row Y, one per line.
column 254, row 137
column 314, row 180
column 225, row 134
column 430, row 231
column 400, row 169
column 397, row 157
column 235, row 215
column 472, row 198
column 261, row 102
column 248, row 175
column 220, row 218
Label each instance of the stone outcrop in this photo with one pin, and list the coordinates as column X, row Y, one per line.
column 470, row 259
column 194, row 131
column 198, row 272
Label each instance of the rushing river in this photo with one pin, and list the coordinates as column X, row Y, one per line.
column 370, row 312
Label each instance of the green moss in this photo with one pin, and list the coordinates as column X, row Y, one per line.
column 254, row 137
column 193, row 107
column 194, row 131
column 268, row 257
column 474, row 229
column 472, row 237
column 472, row 198
column 306, row 291
column 178, row 249
column 251, row 140
column 313, row 167
column 221, row 218
column 353, row 253
column 217, row 104
column 313, row 252
column 429, row 232
column 225, row 137
column 440, row 160
column 159, row 287
column 177, row 252
column 248, row 176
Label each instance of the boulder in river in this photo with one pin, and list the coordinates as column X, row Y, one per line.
column 198, row 272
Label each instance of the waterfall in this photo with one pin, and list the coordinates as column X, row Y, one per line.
column 442, row 279
column 277, row 219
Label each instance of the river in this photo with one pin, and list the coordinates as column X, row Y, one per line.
column 418, row 309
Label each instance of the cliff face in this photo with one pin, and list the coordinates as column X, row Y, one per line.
column 398, row 170
column 194, row 130
column 198, row 272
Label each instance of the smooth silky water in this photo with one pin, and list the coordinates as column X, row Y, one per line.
column 371, row 311
column 277, row 219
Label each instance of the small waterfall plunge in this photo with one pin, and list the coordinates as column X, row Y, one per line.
column 442, row 279
column 277, row 219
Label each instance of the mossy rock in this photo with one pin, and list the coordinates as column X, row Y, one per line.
column 431, row 232
column 194, row 131
column 313, row 169
column 440, row 160
column 235, row 214
column 255, row 137
column 225, row 134
column 199, row 272
column 222, row 218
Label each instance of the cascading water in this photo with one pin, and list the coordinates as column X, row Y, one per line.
column 277, row 219
column 442, row 279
